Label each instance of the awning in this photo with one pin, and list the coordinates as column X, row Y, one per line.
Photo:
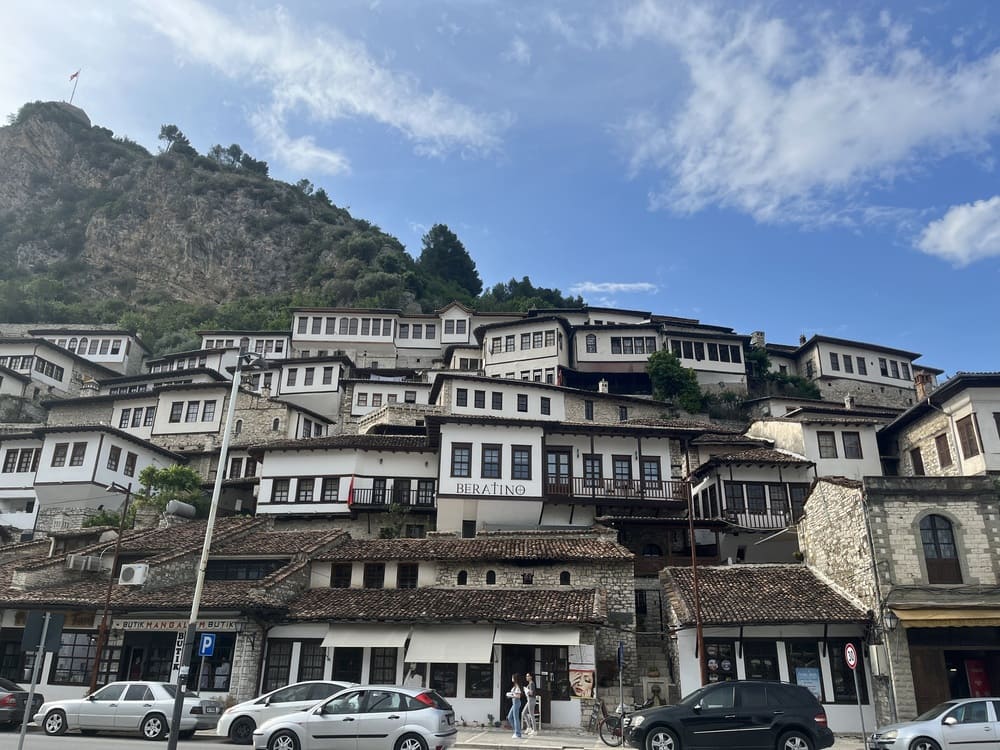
column 469, row 644
column 384, row 636
column 948, row 618
column 549, row 636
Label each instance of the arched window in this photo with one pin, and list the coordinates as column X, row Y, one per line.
column 591, row 343
column 463, row 578
column 275, row 425
column 238, row 428
column 491, row 577
column 652, row 550
column 72, row 345
column 83, row 346
column 940, row 553
column 564, row 578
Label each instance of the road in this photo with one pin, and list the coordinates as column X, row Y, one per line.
column 36, row 740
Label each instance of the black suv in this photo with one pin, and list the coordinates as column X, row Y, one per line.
column 741, row 714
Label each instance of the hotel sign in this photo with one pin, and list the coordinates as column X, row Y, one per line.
column 495, row 489
column 150, row 623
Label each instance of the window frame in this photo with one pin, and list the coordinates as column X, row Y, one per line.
column 520, row 470
column 464, row 466
column 829, row 450
column 491, row 468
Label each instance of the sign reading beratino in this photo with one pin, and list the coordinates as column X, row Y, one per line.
column 490, row 488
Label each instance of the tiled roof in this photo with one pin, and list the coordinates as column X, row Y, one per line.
column 682, row 424
column 276, row 542
column 508, row 549
column 728, row 439
column 438, row 605
column 842, row 482
column 757, row 595
column 757, row 456
column 363, row 442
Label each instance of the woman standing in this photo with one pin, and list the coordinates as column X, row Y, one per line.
column 528, row 715
column 516, row 693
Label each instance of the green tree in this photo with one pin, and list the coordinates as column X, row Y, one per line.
column 444, row 257
column 177, row 142
column 158, row 486
column 673, row 382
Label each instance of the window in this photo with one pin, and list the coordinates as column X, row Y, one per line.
column 756, row 501
column 495, row 346
column 312, row 661
column 137, row 417
column 374, row 577
column 444, row 679
column 463, row 578
column 545, row 405
column 778, row 494
column 479, row 399
column 309, row 376
column 460, row 327
column 862, row 367
column 406, row 575
column 114, row 456
column 940, row 551
column 803, row 661
column 522, row 402
column 59, row 454
column 71, row 666
column 842, row 675
column 303, row 325
column 461, row 460
column 404, row 330
column 340, row 576
column 520, row 462
column 430, row 330
column 327, row 376
column 591, row 343
column 304, row 488
column 564, row 578
column 622, row 413
column 496, row 400
column 834, row 361
column 810, row 369
column 279, row 490
column 449, row 327
column 130, row 461
column 409, row 397
column 10, row 461
column 193, row 408
column 383, row 666
column 176, row 411
column 478, row 680
column 588, row 410
column 943, row 450
column 720, row 661
column 208, row 411
column 906, row 370
column 125, row 418
column 362, row 399
column 592, row 471
column 848, row 363
column 827, row 444
column 491, row 461
column 275, row 424
column 852, row 444
column 491, row 577
column 734, row 497
column 78, row 454
column 917, row 461
column 461, row 397
column 525, row 341
column 967, row 438
column 293, row 375
column 508, row 343
column 883, row 366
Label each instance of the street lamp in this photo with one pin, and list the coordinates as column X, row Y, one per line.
column 248, row 360
column 102, row 631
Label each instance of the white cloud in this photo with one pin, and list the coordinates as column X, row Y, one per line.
column 322, row 74
column 518, row 52
column 613, row 287
column 793, row 124
column 965, row 234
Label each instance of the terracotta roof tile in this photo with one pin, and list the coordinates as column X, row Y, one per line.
column 366, row 441
column 437, row 605
column 276, row 542
column 757, row 594
column 758, row 456
column 505, row 548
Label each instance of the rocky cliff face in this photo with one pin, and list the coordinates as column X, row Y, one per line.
column 102, row 216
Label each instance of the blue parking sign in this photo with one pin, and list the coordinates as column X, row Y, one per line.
column 206, row 644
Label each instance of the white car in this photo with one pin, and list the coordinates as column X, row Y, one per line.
column 366, row 717
column 144, row 707
column 239, row 722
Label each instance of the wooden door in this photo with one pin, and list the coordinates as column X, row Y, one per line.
column 930, row 677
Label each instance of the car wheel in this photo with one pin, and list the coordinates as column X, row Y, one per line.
column 661, row 738
column 924, row 743
column 153, row 727
column 241, row 732
column 283, row 739
column 54, row 723
column 795, row 740
column 411, row 742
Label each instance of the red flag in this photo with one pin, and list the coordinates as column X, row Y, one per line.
column 350, row 493
column 75, row 74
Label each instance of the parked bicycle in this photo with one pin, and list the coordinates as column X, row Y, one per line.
column 610, row 726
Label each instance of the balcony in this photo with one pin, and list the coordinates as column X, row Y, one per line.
column 771, row 518
column 619, row 491
column 368, row 498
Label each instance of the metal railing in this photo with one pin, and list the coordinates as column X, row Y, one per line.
column 383, row 498
column 619, row 489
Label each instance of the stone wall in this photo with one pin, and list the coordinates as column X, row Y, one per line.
column 921, row 435
column 98, row 412
column 872, row 394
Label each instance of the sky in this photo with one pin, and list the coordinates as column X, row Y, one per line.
column 796, row 168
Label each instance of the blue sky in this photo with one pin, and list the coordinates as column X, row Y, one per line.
column 791, row 167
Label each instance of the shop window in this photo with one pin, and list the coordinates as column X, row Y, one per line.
column 72, row 664
column 842, row 675
column 761, row 660
column 940, row 552
column 312, row 659
column 555, row 661
column 444, row 679
column 382, row 670
column 720, row 660
column 478, row 680
column 347, row 663
column 804, row 665
column 277, row 665
column 214, row 671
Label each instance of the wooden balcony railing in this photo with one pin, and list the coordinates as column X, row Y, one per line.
column 618, row 489
column 382, row 498
column 774, row 517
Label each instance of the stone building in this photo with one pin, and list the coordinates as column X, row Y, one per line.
column 921, row 553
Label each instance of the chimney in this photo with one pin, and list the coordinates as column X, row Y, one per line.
column 757, row 340
column 89, row 387
column 602, row 386
column 848, row 401
column 802, row 339
column 922, row 383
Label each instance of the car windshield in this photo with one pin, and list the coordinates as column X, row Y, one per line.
column 8, row 685
column 936, row 711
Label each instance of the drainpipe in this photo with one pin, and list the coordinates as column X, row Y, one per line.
column 881, row 605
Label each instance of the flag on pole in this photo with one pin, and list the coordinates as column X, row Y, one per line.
column 77, row 73
column 350, row 493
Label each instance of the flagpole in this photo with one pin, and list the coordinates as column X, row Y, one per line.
column 76, row 79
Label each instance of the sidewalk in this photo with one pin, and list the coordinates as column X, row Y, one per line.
column 481, row 738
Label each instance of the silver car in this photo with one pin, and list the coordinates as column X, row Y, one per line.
column 239, row 721
column 368, row 717
column 960, row 723
column 143, row 707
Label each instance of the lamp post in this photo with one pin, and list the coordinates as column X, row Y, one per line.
column 102, row 631
column 244, row 359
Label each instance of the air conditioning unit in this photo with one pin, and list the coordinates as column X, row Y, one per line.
column 133, row 574
column 878, row 660
column 76, row 562
column 92, row 563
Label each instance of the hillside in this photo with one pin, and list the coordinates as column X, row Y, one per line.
column 94, row 228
